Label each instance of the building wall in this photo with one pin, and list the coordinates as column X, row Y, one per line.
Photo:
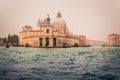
column 32, row 37
column 113, row 40
column 55, row 35
column 82, row 40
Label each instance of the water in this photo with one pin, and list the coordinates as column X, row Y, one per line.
column 92, row 63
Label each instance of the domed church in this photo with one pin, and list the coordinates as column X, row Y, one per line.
column 55, row 34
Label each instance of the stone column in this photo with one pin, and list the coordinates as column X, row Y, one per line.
column 50, row 42
column 57, row 45
column 44, row 42
column 38, row 42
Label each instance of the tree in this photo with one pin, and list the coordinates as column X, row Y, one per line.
column 4, row 40
column 14, row 39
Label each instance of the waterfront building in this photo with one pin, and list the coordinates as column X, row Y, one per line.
column 113, row 40
column 49, row 34
column 95, row 42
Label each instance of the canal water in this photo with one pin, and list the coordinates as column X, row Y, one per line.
column 79, row 63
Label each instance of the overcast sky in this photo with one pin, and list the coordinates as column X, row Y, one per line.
column 94, row 18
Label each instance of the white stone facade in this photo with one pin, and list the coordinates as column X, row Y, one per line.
column 113, row 40
column 50, row 35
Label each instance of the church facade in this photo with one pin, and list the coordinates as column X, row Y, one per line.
column 49, row 34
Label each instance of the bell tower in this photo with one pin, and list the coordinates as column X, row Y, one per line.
column 48, row 20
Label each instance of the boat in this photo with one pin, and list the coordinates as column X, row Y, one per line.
column 7, row 45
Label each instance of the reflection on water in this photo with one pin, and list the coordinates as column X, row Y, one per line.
column 94, row 63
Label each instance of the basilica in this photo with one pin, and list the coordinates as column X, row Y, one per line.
column 50, row 34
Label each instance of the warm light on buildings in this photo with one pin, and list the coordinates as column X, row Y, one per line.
column 113, row 40
column 49, row 34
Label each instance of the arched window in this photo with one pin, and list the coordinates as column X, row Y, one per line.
column 47, row 30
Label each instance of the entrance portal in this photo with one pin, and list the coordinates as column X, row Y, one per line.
column 40, row 39
column 47, row 42
column 54, row 41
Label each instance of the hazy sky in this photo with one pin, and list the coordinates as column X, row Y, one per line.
column 93, row 18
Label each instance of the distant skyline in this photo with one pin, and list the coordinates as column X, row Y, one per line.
column 95, row 19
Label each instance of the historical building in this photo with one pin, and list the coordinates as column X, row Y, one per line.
column 49, row 34
column 95, row 43
column 113, row 40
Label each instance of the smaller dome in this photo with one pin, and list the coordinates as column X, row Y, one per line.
column 59, row 21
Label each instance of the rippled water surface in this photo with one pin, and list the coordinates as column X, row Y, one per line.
column 92, row 63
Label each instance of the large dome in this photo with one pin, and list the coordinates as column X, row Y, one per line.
column 59, row 21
